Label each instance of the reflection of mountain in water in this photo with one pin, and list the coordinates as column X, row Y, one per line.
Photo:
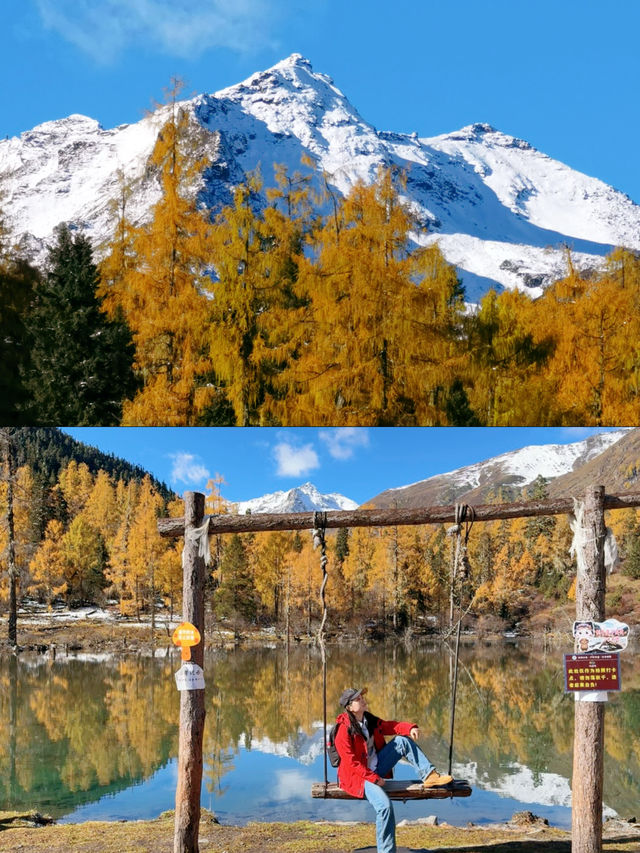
column 514, row 780
column 305, row 748
column 521, row 783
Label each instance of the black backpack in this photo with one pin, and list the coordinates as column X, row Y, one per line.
column 332, row 752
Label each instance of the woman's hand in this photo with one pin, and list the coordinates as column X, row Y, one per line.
column 414, row 734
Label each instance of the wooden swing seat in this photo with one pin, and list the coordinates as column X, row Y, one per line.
column 401, row 789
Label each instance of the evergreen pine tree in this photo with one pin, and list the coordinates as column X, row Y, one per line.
column 236, row 597
column 82, row 361
column 631, row 565
column 539, row 525
column 457, row 408
column 17, row 282
column 342, row 544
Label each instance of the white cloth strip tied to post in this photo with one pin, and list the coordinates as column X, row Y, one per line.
column 200, row 536
column 611, row 560
column 577, row 550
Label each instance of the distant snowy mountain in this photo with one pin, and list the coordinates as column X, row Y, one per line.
column 502, row 211
column 305, row 498
column 516, row 469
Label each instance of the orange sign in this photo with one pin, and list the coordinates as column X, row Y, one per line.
column 185, row 636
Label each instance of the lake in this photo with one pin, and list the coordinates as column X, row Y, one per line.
column 84, row 739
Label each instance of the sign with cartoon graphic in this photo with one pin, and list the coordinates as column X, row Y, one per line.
column 608, row 636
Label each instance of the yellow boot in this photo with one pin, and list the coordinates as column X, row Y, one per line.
column 434, row 779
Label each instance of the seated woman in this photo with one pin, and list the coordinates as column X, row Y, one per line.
column 366, row 760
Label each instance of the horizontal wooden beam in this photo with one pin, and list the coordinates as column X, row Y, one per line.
column 398, row 789
column 389, row 517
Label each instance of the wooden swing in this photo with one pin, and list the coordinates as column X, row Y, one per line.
column 401, row 789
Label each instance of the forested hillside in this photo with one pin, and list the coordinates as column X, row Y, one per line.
column 48, row 450
column 89, row 534
column 281, row 314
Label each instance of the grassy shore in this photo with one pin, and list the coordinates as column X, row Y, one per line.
column 524, row 835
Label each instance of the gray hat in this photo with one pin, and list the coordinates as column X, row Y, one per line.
column 350, row 694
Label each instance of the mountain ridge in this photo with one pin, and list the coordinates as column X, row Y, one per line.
column 568, row 468
column 501, row 211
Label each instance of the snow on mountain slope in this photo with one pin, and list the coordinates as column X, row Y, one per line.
column 305, row 498
column 500, row 210
column 518, row 469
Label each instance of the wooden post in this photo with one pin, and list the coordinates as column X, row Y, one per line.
column 192, row 708
column 588, row 744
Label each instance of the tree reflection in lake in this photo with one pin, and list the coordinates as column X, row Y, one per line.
column 73, row 731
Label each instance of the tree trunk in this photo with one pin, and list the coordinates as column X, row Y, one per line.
column 192, row 706
column 153, row 606
column 11, row 555
column 588, row 746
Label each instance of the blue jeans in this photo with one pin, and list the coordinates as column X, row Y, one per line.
column 397, row 748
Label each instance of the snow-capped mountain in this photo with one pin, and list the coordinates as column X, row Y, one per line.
column 501, row 210
column 305, row 498
column 515, row 469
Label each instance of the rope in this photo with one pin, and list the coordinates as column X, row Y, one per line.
column 319, row 541
column 463, row 513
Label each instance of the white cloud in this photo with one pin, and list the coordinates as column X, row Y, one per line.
column 342, row 442
column 295, row 461
column 182, row 28
column 576, row 433
column 188, row 469
column 291, row 785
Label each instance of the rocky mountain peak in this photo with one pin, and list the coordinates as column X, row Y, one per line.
column 501, row 211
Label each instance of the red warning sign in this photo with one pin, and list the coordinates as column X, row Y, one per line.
column 592, row 672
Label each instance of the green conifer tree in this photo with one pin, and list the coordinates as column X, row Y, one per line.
column 82, row 361
column 17, row 282
column 236, row 597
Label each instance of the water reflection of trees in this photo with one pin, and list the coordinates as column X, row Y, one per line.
column 72, row 731
column 83, row 729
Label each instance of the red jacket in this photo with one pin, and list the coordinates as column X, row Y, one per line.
column 352, row 748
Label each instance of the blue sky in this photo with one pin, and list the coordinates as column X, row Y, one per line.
column 562, row 75
column 356, row 462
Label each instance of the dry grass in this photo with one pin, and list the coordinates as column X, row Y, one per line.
column 156, row 836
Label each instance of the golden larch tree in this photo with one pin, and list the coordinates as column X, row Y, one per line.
column 155, row 276
column 374, row 328
column 76, row 483
column 48, row 566
column 240, row 292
